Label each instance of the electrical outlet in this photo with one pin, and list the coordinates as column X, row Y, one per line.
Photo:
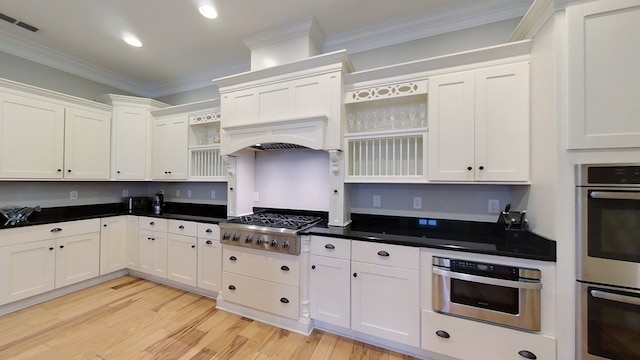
column 177, row 192
column 125, row 193
column 213, row 194
column 417, row 202
column 376, row 200
column 189, row 194
column 256, row 196
column 493, row 206
column 73, row 195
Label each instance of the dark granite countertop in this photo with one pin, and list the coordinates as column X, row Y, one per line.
column 465, row 236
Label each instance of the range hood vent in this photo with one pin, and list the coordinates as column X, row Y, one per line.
column 278, row 146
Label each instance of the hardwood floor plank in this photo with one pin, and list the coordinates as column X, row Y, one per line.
column 135, row 319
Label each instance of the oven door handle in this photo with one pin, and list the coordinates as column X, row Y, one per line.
column 615, row 297
column 529, row 285
column 614, row 195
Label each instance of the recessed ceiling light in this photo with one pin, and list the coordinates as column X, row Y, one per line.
column 132, row 40
column 208, row 11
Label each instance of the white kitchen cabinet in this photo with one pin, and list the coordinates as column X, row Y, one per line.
column 152, row 252
column 27, row 269
column 603, row 75
column 330, row 280
column 36, row 259
column 129, row 154
column 182, row 263
column 385, row 291
column 77, row 258
column 209, row 257
column 465, row 339
column 87, row 144
column 479, row 125
column 113, row 244
column 132, row 242
column 31, row 138
column 170, row 148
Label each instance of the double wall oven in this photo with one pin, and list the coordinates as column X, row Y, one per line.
column 608, row 264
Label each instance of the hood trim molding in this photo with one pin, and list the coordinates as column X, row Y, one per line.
column 306, row 131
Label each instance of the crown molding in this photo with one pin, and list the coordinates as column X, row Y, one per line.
column 418, row 27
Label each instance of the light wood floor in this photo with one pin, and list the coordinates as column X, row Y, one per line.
column 134, row 319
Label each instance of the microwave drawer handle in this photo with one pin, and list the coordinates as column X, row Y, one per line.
column 533, row 285
column 614, row 195
column 615, row 297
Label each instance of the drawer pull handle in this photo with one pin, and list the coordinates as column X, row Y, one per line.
column 51, row 248
column 284, row 268
column 527, row 354
column 181, row 227
column 152, row 223
column 209, row 231
column 383, row 253
column 233, row 258
column 61, row 246
column 56, row 230
column 193, row 246
column 481, row 167
column 284, row 300
column 153, row 238
column 208, row 242
column 329, row 246
column 313, row 267
column 443, row 334
column 232, row 287
column 355, row 274
column 105, row 225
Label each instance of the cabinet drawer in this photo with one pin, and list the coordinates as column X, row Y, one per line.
column 274, row 267
column 186, row 228
column 154, row 224
column 386, row 254
column 260, row 294
column 332, row 247
column 468, row 339
column 208, row 231
column 26, row 234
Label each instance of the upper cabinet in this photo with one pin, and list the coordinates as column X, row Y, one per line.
column 131, row 136
column 603, row 75
column 170, row 148
column 205, row 159
column 46, row 135
column 479, row 125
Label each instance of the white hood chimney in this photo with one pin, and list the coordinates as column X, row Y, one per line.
column 285, row 44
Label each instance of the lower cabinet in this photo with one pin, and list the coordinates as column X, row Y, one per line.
column 209, row 257
column 132, row 242
column 182, row 264
column 113, row 244
column 66, row 253
column 467, row 339
column 152, row 252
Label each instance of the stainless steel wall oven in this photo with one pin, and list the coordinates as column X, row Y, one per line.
column 500, row 294
column 608, row 263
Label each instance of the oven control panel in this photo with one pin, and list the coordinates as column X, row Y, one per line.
column 486, row 269
column 270, row 241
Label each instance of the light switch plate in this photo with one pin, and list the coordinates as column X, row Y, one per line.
column 417, row 202
column 376, row 200
column 73, row 195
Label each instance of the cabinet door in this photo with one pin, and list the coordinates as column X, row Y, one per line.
column 77, row 258
column 467, row 339
column 329, row 290
column 31, row 138
column 152, row 253
column 87, row 144
column 132, row 242
column 26, row 270
column 502, row 123
column 129, row 143
column 113, row 244
column 209, row 264
column 378, row 309
column 603, row 75
column 451, row 127
column 182, row 264
column 170, row 148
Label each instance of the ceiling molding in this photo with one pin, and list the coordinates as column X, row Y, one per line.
column 418, row 27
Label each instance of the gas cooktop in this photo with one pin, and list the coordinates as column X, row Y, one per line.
column 285, row 221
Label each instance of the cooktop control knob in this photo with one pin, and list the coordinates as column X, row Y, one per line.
column 285, row 245
column 226, row 236
column 274, row 243
column 236, row 237
column 259, row 240
column 248, row 239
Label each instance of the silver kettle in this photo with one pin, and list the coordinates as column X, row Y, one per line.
column 158, row 202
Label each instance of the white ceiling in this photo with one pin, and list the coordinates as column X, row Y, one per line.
column 183, row 50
